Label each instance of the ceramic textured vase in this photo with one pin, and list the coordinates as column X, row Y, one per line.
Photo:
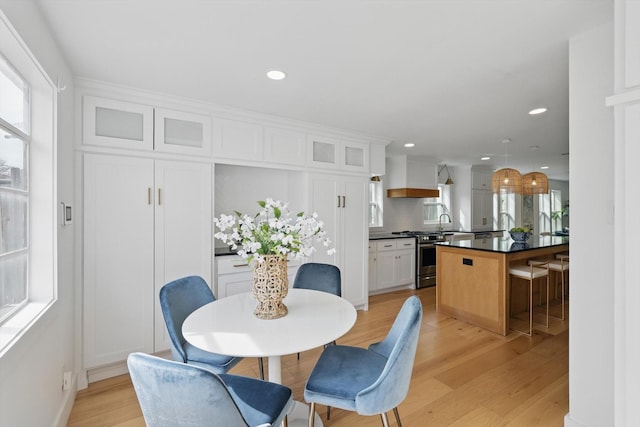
column 270, row 287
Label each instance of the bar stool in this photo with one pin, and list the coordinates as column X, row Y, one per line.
column 561, row 265
column 535, row 270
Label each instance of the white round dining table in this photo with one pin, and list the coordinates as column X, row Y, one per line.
column 228, row 326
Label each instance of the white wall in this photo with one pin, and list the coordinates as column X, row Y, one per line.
column 591, row 319
column 31, row 371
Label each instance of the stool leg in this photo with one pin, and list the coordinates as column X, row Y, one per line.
column 530, row 308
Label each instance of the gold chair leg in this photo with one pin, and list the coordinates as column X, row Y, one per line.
column 261, row 367
column 312, row 414
column 285, row 422
column 385, row 419
column 328, row 412
column 397, row 414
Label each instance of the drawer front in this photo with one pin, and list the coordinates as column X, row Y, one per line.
column 406, row 244
column 386, row 245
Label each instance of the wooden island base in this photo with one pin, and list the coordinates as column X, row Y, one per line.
column 473, row 278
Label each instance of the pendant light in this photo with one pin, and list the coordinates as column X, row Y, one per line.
column 506, row 179
column 535, row 182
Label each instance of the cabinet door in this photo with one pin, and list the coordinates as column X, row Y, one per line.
column 182, row 133
column 354, row 237
column 385, row 269
column 355, row 156
column 373, row 277
column 238, row 140
column 406, row 267
column 323, row 152
column 482, row 210
column 118, row 260
column 341, row 203
column 117, row 124
column 285, row 146
column 183, row 232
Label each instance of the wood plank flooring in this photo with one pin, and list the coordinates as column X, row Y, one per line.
column 463, row 375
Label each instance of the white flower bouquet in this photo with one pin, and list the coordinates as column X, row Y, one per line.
column 272, row 231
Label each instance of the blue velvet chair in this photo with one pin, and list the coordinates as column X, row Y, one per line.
column 318, row 277
column 178, row 299
column 173, row 394
column 368, row 381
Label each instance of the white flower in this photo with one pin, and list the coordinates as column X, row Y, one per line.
column 272, row 231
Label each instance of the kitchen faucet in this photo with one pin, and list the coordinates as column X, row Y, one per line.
column 440, row 221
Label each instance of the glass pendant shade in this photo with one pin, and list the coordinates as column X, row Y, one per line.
column 508, row 180
column 535, row 183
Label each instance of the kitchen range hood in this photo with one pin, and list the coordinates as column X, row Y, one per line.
column 412, row 192
column 411, row 178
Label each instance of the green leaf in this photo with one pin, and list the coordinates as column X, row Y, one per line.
column 277, row 212
column 238, row 214
column 262, row 203
column 300, row 214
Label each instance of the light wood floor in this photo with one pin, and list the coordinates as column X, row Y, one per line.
column 463, row 375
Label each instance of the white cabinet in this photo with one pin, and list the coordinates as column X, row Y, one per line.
column 341, row 203
column 481, row 179
column 182, row 133
column 235, row 139
column 395, row 263
column 481, row 210
column 285, row 146
column 373, row 277
column 118, row 124
column 146, row 222
column 234, row 276
column 332, row 153
column 481, row 200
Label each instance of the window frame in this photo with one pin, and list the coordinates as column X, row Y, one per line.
column 42, row 212
column 441, row 203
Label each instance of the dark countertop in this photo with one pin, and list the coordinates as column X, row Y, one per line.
column 508, row 245
column 224, row 251
column 383, row 236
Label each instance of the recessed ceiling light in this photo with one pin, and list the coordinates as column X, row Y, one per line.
column 485, row 158
column 276, row 74
column 409, row 144
column 538, row 111
column 544, row 167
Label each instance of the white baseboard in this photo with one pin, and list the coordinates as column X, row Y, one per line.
column 570, row 422
column 115, row 369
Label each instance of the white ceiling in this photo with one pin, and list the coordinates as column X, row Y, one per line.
column 455, row 77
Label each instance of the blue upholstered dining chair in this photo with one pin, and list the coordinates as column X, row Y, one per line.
column 318, row 277
column 178, row 299
column 173, row 394
column 368, row 381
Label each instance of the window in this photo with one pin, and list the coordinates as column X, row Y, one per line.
column 435, row 206
column 506, row 210
column 375, row 203
column 549, row 215
column 28, row 212
column 14, row 190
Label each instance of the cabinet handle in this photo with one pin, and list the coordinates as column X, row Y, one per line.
column 159, row 200
column 387, row 246
column 338, row 201
column 344, row 202
column 149, row 195
column 240, row 265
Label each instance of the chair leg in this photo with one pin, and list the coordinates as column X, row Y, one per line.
column 385, row 419
column 312, row 414
column 397, row 414
column 328, row 412
column 285, row 422
column 261, row 367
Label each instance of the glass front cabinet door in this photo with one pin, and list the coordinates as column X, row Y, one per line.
column 120, row 124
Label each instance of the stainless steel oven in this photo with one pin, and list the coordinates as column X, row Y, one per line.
column 426, row 264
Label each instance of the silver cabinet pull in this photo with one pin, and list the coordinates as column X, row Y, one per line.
column 338, row 201
column 149, row 195
column 344, row 201
column 159, row 200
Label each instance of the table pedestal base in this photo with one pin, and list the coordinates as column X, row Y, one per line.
column 299, row 415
